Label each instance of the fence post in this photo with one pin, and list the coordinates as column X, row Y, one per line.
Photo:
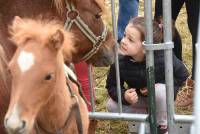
column 197, row 86
column 150, row 66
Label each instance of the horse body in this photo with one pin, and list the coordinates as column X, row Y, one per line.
column 43, row 101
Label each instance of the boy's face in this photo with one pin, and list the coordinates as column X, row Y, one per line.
column 131, row 43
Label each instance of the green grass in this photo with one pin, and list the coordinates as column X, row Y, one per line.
column 120, row 127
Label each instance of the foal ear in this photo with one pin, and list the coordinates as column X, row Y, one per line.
column 14, row 30
column 56, row 40
column 17, row 21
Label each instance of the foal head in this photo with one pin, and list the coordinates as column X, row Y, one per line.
column 36, row 69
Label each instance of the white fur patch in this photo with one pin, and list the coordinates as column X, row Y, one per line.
column 14, row 118
column 25, row 61
column 68, row 71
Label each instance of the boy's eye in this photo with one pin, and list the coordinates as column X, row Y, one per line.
column 131, row 40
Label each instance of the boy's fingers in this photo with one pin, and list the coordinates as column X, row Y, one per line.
column 131, row 90
column 144, row 91
column 134, row 99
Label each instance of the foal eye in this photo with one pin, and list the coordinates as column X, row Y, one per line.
column 48, row 77
column 97, row 16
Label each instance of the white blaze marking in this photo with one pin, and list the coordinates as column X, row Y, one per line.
column 14, row 119
column 25, row 61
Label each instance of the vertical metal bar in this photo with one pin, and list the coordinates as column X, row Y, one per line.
column 116, row 56
column 168, row 64
column 114, row 24
column 192, row 129
column 150, row 66
column 142, row 128
column 91, row 87
column 197, row 86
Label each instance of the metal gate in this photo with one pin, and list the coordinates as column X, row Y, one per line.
column 177, row 124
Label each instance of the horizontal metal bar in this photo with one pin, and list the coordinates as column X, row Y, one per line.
column 183, row 118
column 160, row 46
column 118, row 116
column 136, row 117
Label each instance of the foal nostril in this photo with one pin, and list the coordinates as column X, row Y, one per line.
column 21, row 127
column 23, row 124
column 5, row 122
column 13, row 126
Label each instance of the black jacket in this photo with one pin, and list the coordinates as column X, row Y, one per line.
column 134, row 74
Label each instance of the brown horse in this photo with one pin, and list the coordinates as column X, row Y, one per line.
column 82, row 17
column 95, row 44
column 40, row 100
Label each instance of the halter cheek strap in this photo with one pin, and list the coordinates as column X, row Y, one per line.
column 96, row 40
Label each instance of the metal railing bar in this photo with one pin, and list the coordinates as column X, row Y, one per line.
column 183, row 118
column 118, row 116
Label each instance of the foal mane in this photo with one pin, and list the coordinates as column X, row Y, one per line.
column 3, row 63
column 59, row 5
column 40, row 30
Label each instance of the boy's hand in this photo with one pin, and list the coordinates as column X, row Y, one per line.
column 144, row 91
column 131, row 96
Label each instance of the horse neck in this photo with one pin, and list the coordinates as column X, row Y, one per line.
column 5, row 83
column 54, row 113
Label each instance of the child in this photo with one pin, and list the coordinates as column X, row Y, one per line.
column 132, row 68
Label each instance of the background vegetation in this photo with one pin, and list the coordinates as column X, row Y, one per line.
column 120, row 127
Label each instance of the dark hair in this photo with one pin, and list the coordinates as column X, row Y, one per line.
column 138, row 23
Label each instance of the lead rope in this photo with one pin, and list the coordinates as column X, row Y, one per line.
column 78, row 113
column 79, row 89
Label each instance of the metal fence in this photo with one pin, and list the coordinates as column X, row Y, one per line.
column 177, row 124
column 196, row 125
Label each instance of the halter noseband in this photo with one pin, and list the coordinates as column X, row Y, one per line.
column 96, row 40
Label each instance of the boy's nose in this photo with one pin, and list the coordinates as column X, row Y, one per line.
column 123, row 41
